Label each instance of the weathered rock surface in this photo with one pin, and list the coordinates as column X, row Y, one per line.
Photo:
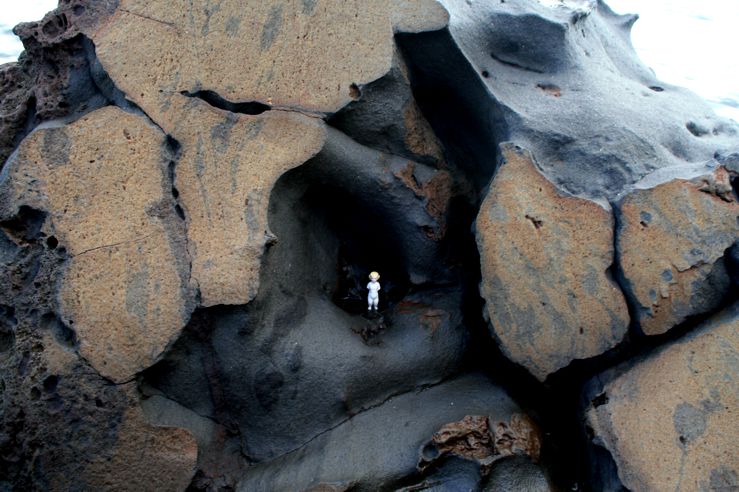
column 564, row 82
column 15, row 93
column 389, row 438
column 258, row 159
column 103, row 181
column 670, row 420
column 143, row 457
column 226, row 170
column 545, row 259
column 61, row 421
column 386, row 117
column 302, row 55
column 52, row 77
column 671, row 242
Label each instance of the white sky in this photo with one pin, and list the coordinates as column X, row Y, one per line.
column 686, row 42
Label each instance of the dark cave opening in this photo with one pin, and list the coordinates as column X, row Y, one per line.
column 365, row 244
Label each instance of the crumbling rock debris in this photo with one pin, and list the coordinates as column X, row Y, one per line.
column 473, row 438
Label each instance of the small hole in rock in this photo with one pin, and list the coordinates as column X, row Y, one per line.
column 599, row 400
column 354, row 92
column 50, row 383
column 52, row 242
column 656, row 88
column 485, row 73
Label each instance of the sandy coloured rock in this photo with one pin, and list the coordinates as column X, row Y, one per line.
column 309, row 55
column 544, row 260
column 670, row 420
column 144, row 457
column 671, row 241
column 103, row 182
column 226, row 170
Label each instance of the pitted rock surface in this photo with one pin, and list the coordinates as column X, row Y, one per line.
column 669, row 420
column 671, row 241
column 545, row 258
column 103, row 181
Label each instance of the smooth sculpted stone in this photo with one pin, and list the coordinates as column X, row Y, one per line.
column 228, row 166
column 670, row 420
column 308, row 55
column 103, row 181
column 671, row 242
column 376, row 448
column 544, row 260
column 562, row 79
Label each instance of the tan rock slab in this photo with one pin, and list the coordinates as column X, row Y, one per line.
column 671, row 239
column 670, row 422
column 144, row 457
column 544, row 259
column 228, row 166
column 102, row 181
column 308, row 54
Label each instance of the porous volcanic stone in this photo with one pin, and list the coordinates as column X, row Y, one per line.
column 144, row 457
column 308, row 55
column 670, row 420
column 228, row 166
column 103, row 182
column 544, row 260
column 671, row 241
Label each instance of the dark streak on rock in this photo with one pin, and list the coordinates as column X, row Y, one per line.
column 514, row 64
column 271, row 27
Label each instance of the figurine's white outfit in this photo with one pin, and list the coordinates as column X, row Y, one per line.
column 372, row 297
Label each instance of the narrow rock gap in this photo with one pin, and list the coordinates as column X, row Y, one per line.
column 215, row 100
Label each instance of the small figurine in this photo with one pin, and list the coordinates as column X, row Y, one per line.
column 374, row 287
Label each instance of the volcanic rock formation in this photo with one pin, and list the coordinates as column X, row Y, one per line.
column 193, row 194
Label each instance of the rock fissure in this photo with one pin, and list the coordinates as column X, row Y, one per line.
column 112, row 245
column 248, row 107
column 417, row 390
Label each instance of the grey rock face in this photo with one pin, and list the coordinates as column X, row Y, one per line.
column 388, row 439
column 565, row 83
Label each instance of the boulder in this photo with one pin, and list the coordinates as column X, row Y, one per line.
column 226, row 168
column 545, row 259
column 563, row 80
column 305, row 56
column 669, row 420
column 671, row 242
column 104, row 183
